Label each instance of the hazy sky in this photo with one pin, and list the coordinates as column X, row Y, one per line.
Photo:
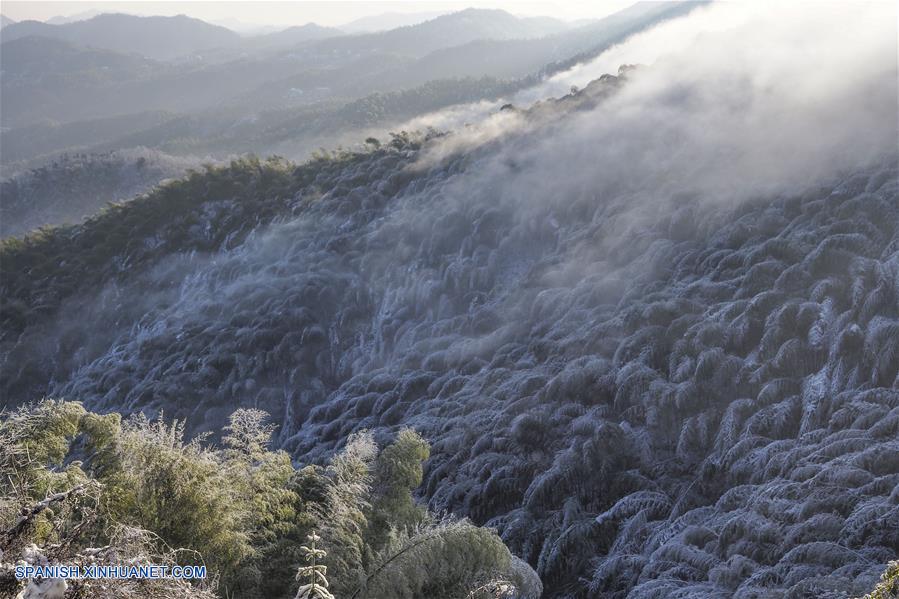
column 298, row 12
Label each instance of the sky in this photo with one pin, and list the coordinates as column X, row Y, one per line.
column 287, row 13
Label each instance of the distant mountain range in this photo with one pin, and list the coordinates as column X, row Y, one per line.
column 167, row 38
column 279, row 92
column 5, row 21
column 387, row 20
column 79, row 16
column 89, row 69
column 448, row 30
column 292, row 36
column 160, row 38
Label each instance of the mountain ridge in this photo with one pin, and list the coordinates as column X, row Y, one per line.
column 272, row 92
column 183, row 35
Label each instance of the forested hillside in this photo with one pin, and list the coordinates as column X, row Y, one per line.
column 287, row 93
column 77, row 186
column 647, row 332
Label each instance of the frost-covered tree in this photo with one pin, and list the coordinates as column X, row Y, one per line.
column 141, row 491
column 313, row 576
column 247, row 432
column 888, row 587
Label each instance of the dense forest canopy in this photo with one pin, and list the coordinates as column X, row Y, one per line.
column 640, row 338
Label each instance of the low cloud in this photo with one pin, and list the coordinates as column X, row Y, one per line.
column 736, row 100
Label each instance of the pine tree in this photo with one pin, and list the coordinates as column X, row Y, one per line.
column 317, row 587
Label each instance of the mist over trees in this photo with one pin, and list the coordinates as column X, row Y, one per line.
column 640, row 339
column 61, row 91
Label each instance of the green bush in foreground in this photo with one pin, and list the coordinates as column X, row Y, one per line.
column 78, row 487
column 888, row 587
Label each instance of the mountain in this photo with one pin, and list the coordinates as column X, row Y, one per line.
column 27, row 145
column 245, row 28
column 4, row 21
column 293, row 36
column 650, row 371
column 510, row 59
column 237, row 68
column 26, row 59
column 89, row 90
column 79, row 16
column 159, row 38
column 77, row 186
column 45, row 77
column 262, row 101
column 445, row 31
column 643, row 330
column 387, row 20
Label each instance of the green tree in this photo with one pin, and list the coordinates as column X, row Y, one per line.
column 398, row 472
column 140, row 489
column 180, row 490
column 888, row 587
column 277, row 516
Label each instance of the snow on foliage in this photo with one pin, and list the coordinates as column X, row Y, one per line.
column 651, row 384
